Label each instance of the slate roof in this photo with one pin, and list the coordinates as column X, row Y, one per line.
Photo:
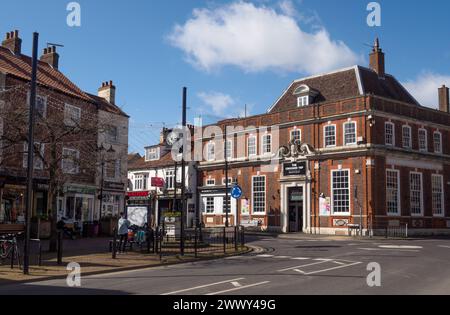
column 345, row 83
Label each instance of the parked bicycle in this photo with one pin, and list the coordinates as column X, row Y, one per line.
column 9, row 249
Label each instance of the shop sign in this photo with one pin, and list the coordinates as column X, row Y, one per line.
column 80, row 190
column 115, row 186
column 158, row 182
column 294, row 169
column 138, row 195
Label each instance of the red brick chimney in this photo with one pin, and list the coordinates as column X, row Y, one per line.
column 377, row 59
column 108, row 92
column 13, row 42
column 51, row 57
column 444, row 101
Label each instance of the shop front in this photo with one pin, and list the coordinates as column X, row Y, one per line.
column 113, row 200
column 77, row 204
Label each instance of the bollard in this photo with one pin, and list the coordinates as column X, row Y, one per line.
column 114, row 247
column 236, row 238
column 60, row 247
column 224, row 240
column 196, row 243
column 40, row 254
column 13, row 253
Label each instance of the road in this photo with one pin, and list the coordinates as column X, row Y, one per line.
column 283, row 267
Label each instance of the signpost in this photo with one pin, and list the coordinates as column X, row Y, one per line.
column 236, row 192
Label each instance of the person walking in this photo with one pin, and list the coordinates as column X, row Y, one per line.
column 122, row 230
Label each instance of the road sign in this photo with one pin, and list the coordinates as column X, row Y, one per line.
column 236, row 192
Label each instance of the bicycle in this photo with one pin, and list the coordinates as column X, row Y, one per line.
column 9, row 249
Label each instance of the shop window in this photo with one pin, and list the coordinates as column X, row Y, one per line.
column 226, row 205
column 209, row 205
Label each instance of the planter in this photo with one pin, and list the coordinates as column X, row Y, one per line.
column 107, row 226
column 41, row 229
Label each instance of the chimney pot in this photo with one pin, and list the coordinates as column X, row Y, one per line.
column 51, row 57
column 377, row 59
column 108, row 92
column 13, row 42
column 444, row 100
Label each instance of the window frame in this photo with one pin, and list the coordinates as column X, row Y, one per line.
column 211, row 152
column 440, row 142
column 37, row 160
column 208, row 205
column 303, row 101
column 296, row 130
column 228, row 153
column 156, row 153
column 409, row 146
column 325, row 136
column 76, row 165
column 345, row 133
column 442, row 214
column 265, row 145
column 69, row 121
column 255, row 139
column 169, row 177
column 210, row 182
column 343, row 214
column 421, row 214
column 399, row 207
column 422, row 149
column 253, row 195
column 391, row 124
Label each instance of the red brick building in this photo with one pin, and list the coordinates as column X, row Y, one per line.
column 348, row 147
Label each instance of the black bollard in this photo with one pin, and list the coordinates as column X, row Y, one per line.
column 60, row 247
column 114, row 247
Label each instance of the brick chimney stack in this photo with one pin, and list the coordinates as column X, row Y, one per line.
column 13, row 42
column 377, row 59
column 444, row 101
column 51, row 57
column 108, row 92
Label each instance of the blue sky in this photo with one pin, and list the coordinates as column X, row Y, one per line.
column 229, row 53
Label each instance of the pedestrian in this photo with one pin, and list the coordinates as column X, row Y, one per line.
column 122, row 230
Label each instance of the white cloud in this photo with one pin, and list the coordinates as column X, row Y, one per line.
column 258, row 38
column 425, row 88
column 219, row 103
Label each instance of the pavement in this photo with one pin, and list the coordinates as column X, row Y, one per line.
column 280, row 266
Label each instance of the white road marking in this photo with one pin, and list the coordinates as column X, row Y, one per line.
column 386, row 249
column 240, row 288
column 282, row 257
column 296, row 267
column 236, row 284
column 299, row 271
column 334, row 268
column 202, row 286
column 400, row 247
column 265, row 256
column 444, row 246
column 300, row 258
column 323, row 259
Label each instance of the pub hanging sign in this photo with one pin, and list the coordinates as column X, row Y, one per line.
column 294, row 169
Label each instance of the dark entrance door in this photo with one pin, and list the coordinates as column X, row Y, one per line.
column 295, row 209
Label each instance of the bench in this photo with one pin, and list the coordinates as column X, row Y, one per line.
column 11, row 228
column 129, row 244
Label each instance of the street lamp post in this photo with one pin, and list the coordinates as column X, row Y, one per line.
column 227, row 197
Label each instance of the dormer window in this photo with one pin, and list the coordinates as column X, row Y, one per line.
column 304, row 95
column 302, row 101
column 152, row 154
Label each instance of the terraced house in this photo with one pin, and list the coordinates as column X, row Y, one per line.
column 351, row 147
column 70, row 150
